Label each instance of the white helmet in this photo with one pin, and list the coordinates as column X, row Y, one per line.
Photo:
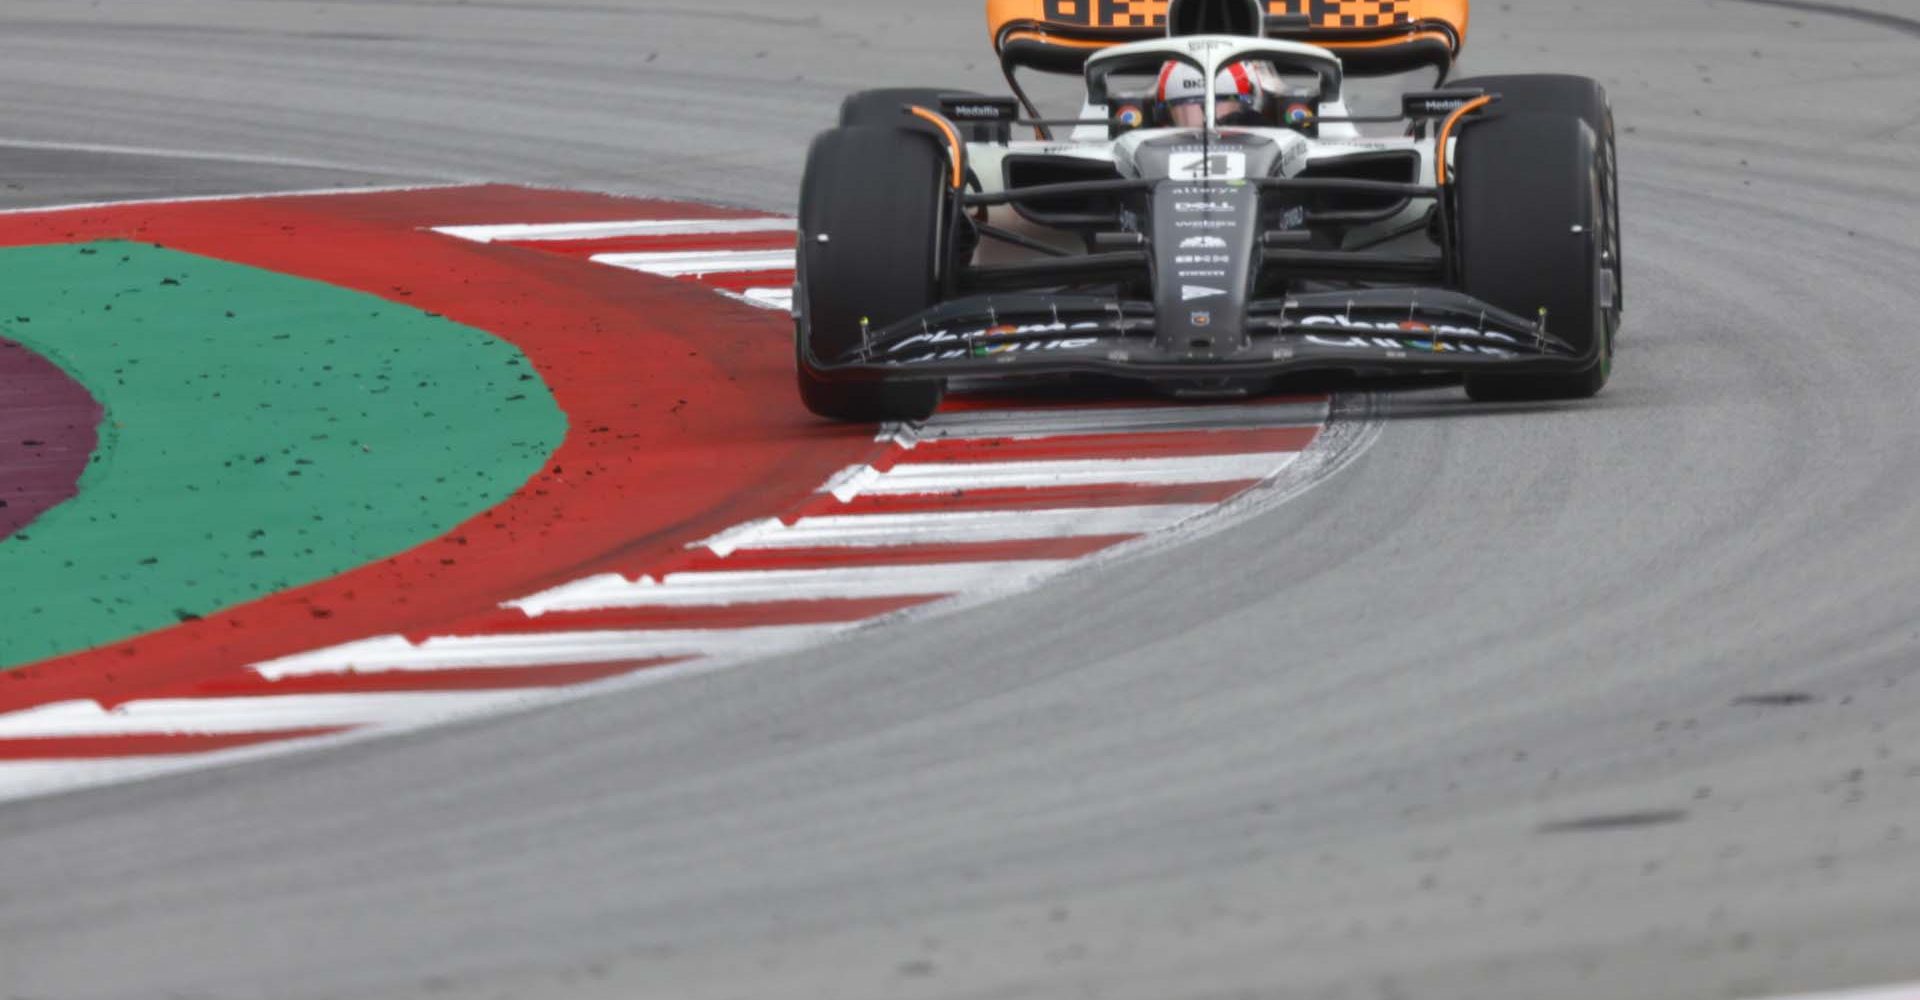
column 1183, row 91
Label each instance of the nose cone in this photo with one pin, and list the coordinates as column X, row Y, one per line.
column 1203, row 248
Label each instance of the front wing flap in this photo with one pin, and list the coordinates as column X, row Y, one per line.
column 1374, row 331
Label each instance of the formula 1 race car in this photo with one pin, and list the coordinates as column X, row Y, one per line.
column 1215, row 218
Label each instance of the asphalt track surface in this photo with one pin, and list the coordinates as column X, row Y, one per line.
column 1611, row 700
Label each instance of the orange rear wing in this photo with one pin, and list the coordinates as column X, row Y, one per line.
column 1371, row 37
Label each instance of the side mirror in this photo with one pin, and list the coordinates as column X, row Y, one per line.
column 982, row 119
column 1437, row 103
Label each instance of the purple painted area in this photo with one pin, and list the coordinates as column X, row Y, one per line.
column 47, row 432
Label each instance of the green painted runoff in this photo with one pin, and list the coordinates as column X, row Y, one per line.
column 261, row 432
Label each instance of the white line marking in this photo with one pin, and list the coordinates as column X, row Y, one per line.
column 943, row 477
column 246, row 715
column 693, row 263
column 535, row 649
column 723, row 587
column 168, row 153
column 541, row 232
column 21, row 779
column 945, row 527
column 1905, row 991
column 250, row 196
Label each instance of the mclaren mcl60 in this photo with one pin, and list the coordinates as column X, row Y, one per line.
column 1214, row 219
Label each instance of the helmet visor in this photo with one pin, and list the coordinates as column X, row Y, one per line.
column 1193, row 113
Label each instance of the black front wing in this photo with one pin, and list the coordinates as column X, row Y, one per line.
column 1384, row 331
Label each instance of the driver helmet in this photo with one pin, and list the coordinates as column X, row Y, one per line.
column 1183, row 92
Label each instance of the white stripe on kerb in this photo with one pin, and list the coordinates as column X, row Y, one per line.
column 949, row 527
column 765, row 298
column 542, row 232
column 693, row 263
column 946, row 477
column 266, row 713
column 723, row 587
column 537, row 649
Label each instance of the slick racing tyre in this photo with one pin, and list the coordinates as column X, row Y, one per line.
column 1561, row 94
column 874, row 214
column 1530, row 201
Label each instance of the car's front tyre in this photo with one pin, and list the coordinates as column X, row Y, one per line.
column 874, row 213
column 1584, row 98
column 1530, row 201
